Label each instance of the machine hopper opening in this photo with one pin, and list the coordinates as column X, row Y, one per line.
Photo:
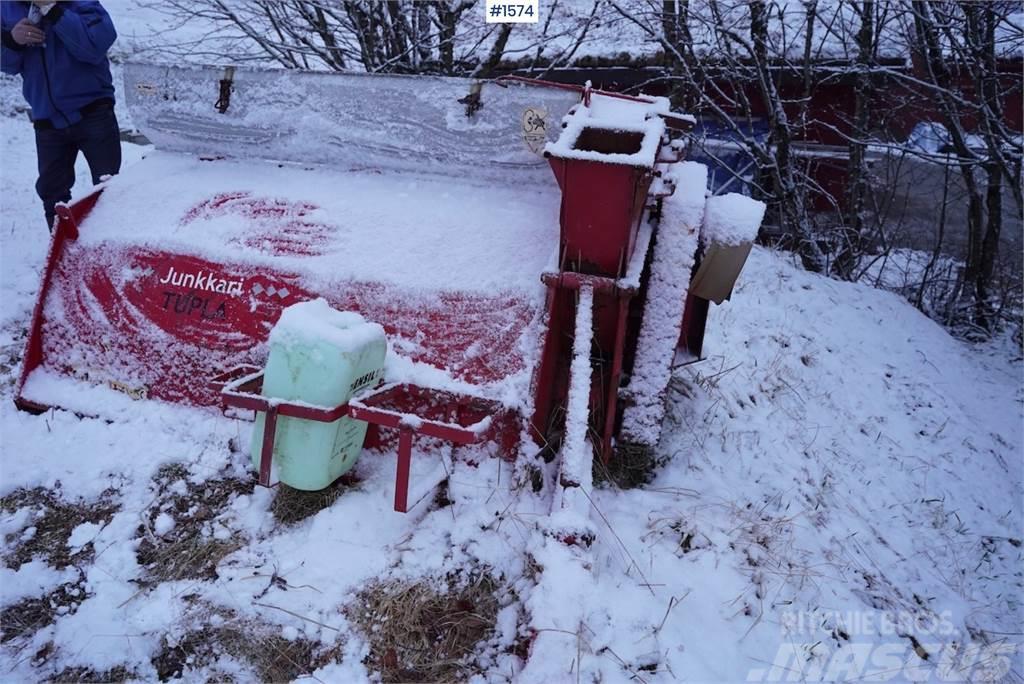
column 607, row 141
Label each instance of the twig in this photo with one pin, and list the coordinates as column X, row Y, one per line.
column 293, row 614
column 672, row 603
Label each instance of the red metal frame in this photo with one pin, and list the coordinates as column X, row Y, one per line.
column 612, row 397
column 671, row 120
column 599, row 246
column 65, row 229
column 601, row 214
column 108, row 323
column 452, row 417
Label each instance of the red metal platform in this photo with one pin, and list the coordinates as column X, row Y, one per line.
column 444, row 415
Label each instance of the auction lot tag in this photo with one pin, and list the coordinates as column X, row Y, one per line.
column 511, row 11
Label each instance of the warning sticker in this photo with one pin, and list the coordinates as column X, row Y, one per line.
column 535, row 128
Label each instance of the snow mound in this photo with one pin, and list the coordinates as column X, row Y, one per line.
column 312, row 322
column 843, row 480
column 732, row 219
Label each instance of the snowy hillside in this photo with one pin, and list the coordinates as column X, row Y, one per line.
column 840, row 498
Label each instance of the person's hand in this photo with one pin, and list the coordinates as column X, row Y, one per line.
column 27, row 33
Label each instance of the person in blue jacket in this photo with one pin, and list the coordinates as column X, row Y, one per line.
column 60, row 50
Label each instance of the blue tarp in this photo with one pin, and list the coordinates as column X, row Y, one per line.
column 717, row 145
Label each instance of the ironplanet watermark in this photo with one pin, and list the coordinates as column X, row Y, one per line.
column 886, row 646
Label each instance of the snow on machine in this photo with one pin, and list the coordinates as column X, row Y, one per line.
column 521, row 310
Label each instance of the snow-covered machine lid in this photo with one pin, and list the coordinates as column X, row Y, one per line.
column 439, row 124
column 416, row 231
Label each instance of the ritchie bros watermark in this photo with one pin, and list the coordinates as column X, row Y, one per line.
column 885, row 646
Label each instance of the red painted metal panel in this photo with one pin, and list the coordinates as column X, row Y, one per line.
column 165, row 323
column 601, row 210
column 66, row 229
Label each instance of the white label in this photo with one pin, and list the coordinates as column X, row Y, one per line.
column 535, row 128
column 511, row 11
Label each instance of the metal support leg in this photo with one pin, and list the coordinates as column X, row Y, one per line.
column 267, row 452
column 695, row 320
column 402, row 476
column 613, row 384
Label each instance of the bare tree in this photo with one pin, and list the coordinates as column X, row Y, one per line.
column 956, row 41
column 738, row 60
column 735, row 80
column 864, row 96
column 401, row 36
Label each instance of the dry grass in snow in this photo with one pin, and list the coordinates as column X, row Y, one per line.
column 420, row 633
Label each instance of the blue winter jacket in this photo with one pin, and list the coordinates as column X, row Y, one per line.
column 70, row 70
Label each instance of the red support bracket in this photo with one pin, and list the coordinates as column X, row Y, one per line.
column 457, row 418
column 404, row 465
column 611, row 400
column 572, row 280
column 267, row 451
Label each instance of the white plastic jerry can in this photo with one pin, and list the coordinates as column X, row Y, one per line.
column 318, row 356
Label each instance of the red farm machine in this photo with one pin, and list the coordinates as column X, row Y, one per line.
column 525, row 310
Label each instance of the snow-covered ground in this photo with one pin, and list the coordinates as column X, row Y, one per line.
column 840, row 499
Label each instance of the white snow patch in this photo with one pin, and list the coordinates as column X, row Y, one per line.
column 30, row 579
column 425, row 234
column 576, row 454
column 83, row 534
column 610, row 109
column 671, row 264
column 163, row 524
column 315, row 321
column 732, row 219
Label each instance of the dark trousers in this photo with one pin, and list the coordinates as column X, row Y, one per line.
column 96, row 136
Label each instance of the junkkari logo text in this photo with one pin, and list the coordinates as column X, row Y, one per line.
column 202, row 281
